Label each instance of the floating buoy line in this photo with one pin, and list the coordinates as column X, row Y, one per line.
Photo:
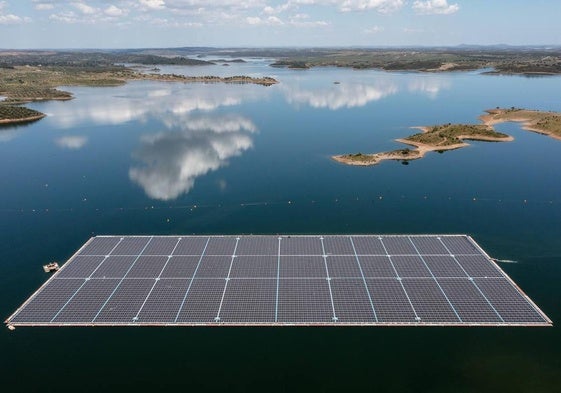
column 377, row 199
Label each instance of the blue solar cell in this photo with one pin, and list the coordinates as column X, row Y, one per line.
column 338, row 245
column 124, row 304
column 45, row 304
column 100, row 246
column 351, row 301
column 294, row 245
column 255, row 267
column 164, row 301
column 399, row 245
column 249, row 300
column 368, row 245
column 131, row 246
column 85, row 304
column 304, row 301
column 80, row 266
column 390, row 301
column 302, row 267
column 202, row 301
column 161, row 246
column 429, row 302
column 429, row 245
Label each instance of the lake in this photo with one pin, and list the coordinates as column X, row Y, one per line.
column 174, row 158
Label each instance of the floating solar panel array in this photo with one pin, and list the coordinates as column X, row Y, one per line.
column 279, row 280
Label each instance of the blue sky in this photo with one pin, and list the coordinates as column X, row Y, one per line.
column 169, row 23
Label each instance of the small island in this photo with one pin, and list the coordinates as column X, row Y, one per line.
column 454, row 136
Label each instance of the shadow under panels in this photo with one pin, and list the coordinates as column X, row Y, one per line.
column 333, row 280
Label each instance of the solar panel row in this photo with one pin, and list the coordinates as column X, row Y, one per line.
column 444, row 280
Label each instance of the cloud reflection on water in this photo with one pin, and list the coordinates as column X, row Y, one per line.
column 173, row 160
column 431, row 86
column 72, row 142
column 347, row 95
column 7, row 135
column 141, row 102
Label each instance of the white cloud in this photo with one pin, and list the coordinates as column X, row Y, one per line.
column 84, row 8
column 72, row 142
column 432, row 7
column 153, row 4
column 11, row 19
column 269, row 21
column 278, row 9
column 114, row 11
column 382, row 6
column 66, row 17
column 253, row 20
column 273, row 20
column 44, row 6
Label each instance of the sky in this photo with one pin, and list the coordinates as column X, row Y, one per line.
column 43, row 24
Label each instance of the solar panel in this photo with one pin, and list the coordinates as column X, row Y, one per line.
column 333, row 280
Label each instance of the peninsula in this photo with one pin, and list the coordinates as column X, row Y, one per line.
column 454, row 136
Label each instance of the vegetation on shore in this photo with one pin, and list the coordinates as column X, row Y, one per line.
column 502, row 60
column 548, row 123
column 10, row 114
column 453, row 136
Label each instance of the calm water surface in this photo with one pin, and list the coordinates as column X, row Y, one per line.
column 171, row 158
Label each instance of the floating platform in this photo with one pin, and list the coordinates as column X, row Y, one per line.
column 331, row 280
column 51, row 267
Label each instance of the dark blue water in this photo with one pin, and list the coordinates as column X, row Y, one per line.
column 171, row 158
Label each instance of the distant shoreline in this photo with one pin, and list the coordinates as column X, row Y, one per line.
column 453, row 136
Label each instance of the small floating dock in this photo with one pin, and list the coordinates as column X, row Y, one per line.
column 51, row 267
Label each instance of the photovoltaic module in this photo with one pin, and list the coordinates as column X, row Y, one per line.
column 334, row 280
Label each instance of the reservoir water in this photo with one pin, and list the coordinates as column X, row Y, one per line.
column 174, row 158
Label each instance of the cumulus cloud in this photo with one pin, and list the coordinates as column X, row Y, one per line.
column 382, row 6
column 44, row 6
column 11, row 19
column 153, row 4
column 269, row 21
column 72, row 142
column 114, row 11
column 84, row 8
column 65, row 16
column 435, row 7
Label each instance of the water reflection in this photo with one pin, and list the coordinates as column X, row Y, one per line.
column 173, row 160
column 142, row 101
column 346, row 95
column 429, row 86
column 72, row 142
column 8, row 134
